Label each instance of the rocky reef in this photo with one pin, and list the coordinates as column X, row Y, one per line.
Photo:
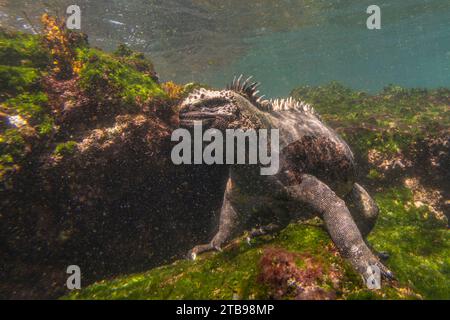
column 86, row 179
column 86, row 176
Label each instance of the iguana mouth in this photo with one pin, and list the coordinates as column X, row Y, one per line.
column 187, row 119
column 187, row 123
column 194, row 115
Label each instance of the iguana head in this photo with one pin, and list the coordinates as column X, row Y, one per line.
column 237, row 107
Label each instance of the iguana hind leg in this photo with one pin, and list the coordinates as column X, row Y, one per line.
column 364, row 211
column 363, row 208
column 339, row 223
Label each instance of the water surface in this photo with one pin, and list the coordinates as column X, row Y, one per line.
column 283, row 43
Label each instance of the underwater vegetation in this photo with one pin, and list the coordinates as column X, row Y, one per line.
column 84, row 157
column 389, row 122
column 86, row 177
column 302, row 263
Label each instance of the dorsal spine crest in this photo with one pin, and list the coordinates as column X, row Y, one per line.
column 249, row 90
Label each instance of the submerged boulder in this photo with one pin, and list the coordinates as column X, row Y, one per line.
column 97, row 188
column 301, row 262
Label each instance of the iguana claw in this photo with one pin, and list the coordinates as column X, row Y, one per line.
column 385, row 272
column 193, row 254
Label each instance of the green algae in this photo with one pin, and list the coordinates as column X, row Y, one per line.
column 33, row 107
column 374, row 174
column 104, row 77
column 212, row 276
column 65, row 148
column 389, row 121
column 20, row 49
column 121, row 80
column 12, row 151
column 17, row 79
column 136, row 60
column 23, row 63
column 418, row 243
column 23, row 58
column 38, row 122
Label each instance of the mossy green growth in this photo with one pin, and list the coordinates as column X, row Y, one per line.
column 389, row 121
column 22, row 50
column 34, row 108
column 16, row 80
column 417, row 242
column 136, row 60
column 23, row 58
column 213, row 276
column 106, row 76
column 35, row 121
column 13, row 149
column 374, row 174
column 65, row 148
column 24, row 107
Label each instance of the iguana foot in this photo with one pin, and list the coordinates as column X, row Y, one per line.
column 383, row 255
column 194, row 252
column 388, row 274
column 363, row 260
column 229, row 227
column 261, row 231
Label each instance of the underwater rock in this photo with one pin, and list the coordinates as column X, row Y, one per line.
column 99, row 190
column 300, row 262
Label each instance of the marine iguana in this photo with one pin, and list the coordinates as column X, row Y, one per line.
column 317, row 173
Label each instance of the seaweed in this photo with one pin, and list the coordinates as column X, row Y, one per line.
column 390, row 121
column 418, row 243
column 106, row 77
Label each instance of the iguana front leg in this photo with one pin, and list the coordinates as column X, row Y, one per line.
column 229, row 226
column 339, row 223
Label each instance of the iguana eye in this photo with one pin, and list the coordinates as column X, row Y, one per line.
column 211, row 105
column 217, row 102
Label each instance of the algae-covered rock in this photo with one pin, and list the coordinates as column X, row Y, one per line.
column 397, row 135
column 85, row 170
column 401, row 140
column 302, row 263
column 389, row 121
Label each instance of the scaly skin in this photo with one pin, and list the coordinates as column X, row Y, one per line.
column 317, row 172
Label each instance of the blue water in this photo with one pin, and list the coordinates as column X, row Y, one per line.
column 412, row 51
column 282, row 43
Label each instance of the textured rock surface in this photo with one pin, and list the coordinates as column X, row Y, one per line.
column 98, row 189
